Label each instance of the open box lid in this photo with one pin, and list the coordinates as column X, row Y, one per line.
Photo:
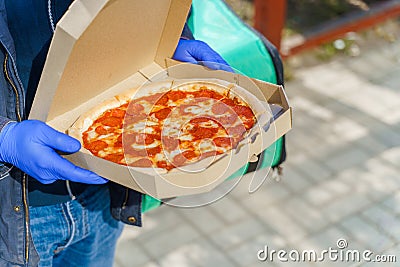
column 99, row 43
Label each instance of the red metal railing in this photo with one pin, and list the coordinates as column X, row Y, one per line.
column 270, row 17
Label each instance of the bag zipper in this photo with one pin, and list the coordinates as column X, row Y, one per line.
column 24, row 194
column 17, row 97
column 24, row 178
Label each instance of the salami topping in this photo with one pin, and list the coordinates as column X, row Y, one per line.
column 96, row 146
column 135, row 109
column 101, row 130
column 142, row 163
column 219, row 108
column 162, row 114
column 176, row 95
column 223, row 141
column 111, row 121
column 170, row 143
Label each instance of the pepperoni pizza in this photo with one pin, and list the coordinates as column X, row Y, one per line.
column 167, row 129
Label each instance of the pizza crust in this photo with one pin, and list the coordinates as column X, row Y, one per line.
column 87, row 119
column 146, row 89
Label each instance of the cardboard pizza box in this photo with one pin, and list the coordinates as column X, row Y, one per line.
column 102, row 48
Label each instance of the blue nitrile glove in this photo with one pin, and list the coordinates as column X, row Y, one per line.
column 31, row 146
column 198, row 52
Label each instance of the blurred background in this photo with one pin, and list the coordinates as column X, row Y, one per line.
column 341, row 179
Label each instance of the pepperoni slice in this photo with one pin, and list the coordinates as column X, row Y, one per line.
column 152, row 98
column 130, row 119
column 143, row 138
column 85, row 136
column 119, row 113
column 96, row 146
column 189, row 154
column 153, row 151
column 134, row 109
column 101, row 130
column 114, row 157
column 182, row 158
column 128, row 150
column 162, row 164
column 176, row 95
column 179, row 160
column 169, row 167
column 163, row 100
column 228, row 102
column 219, row 108
column 149, row 139
column 142, row 163
column 238, row 130
column 162, row 114
column 118, row 143
column 223, row 142
column 243, row 111
column 208, row 154
column 156, row 133
column 200, row 120
column 228, row 120
column 204, row 92
column 169, row 143
column 128, row 138
column 249, row 123
column 202, row 132
column 111, row 121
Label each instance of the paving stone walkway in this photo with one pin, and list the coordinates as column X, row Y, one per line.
column 341, row 180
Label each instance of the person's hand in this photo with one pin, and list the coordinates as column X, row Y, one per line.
column 198, row 52
column 31, row 146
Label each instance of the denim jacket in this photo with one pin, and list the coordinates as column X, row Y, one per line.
column 16, row 246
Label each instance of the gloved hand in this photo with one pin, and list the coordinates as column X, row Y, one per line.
column 31, row 146
column 198, row 52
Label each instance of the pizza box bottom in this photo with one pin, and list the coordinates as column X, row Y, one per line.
column 183, row 182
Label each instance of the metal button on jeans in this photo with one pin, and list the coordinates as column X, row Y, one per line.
column 17, row 208
column 132, row 219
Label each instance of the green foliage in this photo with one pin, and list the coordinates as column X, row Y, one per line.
column 327, row 51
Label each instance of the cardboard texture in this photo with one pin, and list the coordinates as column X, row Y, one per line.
column 102, row 48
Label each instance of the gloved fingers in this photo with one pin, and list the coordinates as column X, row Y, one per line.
column 184, row 56
column 198, row 52
column 65, row 170
column 210, row 56
column 203, row 52
column 44, row 176
column 216, row 66
column 57, row 140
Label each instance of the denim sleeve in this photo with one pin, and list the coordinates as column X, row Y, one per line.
column 3, row 169
column 3, row 122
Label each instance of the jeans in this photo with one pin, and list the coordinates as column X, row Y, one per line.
column 80, row 232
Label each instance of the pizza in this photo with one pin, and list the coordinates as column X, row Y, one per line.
column 166, row 126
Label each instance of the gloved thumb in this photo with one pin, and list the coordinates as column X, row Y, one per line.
column 58, row 141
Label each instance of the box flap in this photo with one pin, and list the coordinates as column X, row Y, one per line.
column 99, row 43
